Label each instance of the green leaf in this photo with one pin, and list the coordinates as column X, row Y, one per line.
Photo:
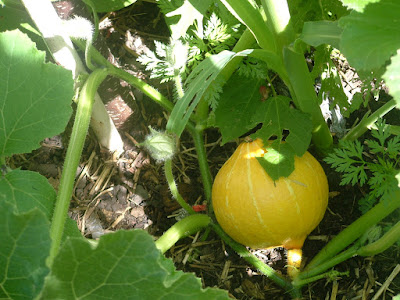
column 239, row 101
column 392, row 78
column 111, row 5
column 277, row 117
column 370, row 38
column 25, row 245
column 35, row 97
column 27, row 190
column 321, row 32
column 278, row 161
column 123, row 265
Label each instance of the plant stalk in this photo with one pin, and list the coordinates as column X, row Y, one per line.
column 249, row 14
column 75, row 147
column 367, row 123
column 183, row 228
column 197, row 135
column 278, row 17
column 316, row 271
column 253, row 260
column 355, row 230
column 174, row 189
column 147, row 89
column 387, row 240
column 304, row 96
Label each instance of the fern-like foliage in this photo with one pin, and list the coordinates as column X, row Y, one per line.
column 375, row 163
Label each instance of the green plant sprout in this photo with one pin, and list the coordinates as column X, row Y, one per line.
column 39, row 236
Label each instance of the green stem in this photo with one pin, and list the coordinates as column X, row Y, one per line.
column 330, row 274
column 253, row 260
column 304, row 275
column 75, row 147
column 366, row 123
column 245, row 41
column 304, row 96
column 197, row 135
column 355, row 230
column 147, row 89
column 174, row 188
column 387, row 240
column 278, row 17
column 251, row 16
column 178, row 84
column 181, row 229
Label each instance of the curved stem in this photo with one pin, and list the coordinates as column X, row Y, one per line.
column 316, row 271
column 181, row 229
column 75, row 147
column 253, row 260
column 174, row 188
column 387, row 240
column 355, row 230
column 366, row 123
column 147, row 89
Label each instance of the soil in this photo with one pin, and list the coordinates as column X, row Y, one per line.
column 131, row 192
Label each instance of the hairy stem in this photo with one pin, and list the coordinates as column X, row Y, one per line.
column 75, row 147
column 174, row 188
column 181, row 229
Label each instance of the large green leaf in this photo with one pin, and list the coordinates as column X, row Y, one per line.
column 239, row 101
column 370, row 38
column 25, row 245
column 123, row 265
column 35, row 97
column 392, row 78
column 27, row 190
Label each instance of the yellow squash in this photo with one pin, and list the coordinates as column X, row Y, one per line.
column 260, row 213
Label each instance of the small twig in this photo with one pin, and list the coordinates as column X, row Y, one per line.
column 388, row 281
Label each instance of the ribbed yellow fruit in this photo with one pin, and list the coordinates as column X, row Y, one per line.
column 260, row 213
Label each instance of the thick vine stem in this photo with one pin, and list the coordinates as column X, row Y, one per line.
column 183, row 228
column 355, row 230
column 278, row 17
column 72, row 158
